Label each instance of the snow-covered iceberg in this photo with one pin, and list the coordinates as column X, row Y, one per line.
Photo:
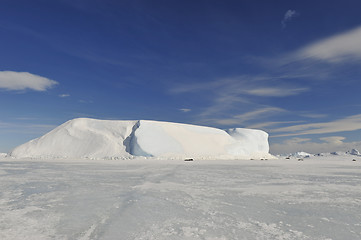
column 91, row 138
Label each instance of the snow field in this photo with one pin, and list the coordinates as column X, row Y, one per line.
column 318, row 198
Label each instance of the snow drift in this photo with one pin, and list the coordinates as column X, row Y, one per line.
column 91, row 138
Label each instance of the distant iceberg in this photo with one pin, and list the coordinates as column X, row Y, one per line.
column 100, row 139
column 353, row 152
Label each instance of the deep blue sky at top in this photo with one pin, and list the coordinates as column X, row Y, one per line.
column 215, row 63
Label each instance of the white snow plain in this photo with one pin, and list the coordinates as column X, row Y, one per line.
column 106, row 139
column 317, row 198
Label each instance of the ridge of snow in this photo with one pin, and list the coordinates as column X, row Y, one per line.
column 92, row 138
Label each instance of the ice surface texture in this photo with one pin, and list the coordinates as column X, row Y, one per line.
column 91, row 138
column 145, row 199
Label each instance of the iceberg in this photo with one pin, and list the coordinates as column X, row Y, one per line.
column 104, row 139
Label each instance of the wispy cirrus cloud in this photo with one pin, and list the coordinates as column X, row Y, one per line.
column 350, row 123
column 232, row 97
column 232, row 100
column 337, row 48
column 313, row 115
column 321, row 60
column 263, row 125
column 17, row 81
column 258, row 85
column 248, row 116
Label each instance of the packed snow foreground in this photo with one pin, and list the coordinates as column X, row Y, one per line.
column 100, row 139
column 146, row 199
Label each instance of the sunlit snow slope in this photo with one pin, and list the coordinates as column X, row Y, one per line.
column 90, row 138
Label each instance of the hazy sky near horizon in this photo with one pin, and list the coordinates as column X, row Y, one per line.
column 291, row 68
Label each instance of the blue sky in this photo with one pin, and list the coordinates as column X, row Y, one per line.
column 291, row 68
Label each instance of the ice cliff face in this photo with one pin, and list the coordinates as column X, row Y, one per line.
column 90, row 138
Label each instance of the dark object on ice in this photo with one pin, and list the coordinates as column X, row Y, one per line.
column 300, row 159
column 288, row 158
column 353, row 160
column 188, row 159
column 252, row 159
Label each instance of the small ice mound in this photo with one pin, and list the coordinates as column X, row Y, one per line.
column 338, row 153
column 354, row 152
column 320, row 154
column 300, row 155
column 3, row 155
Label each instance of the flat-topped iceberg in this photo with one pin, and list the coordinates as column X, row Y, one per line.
column 91, row 138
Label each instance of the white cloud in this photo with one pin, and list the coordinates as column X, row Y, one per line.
column 289, row 15
column 350, row 123
column 328, row 144
column 15, row 81
column 64, row 95
column 185, row 110
column 341, row 47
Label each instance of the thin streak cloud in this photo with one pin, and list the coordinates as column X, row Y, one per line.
column 350, row 123
column 248, row 116
column 244, row 85
column 185, row 110
column 275, row 92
